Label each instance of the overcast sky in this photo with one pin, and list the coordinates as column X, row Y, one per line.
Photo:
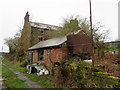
column 52, row 12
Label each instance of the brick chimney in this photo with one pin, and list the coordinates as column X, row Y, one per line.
column 26, row 18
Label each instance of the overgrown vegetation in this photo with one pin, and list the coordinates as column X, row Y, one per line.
column 43, row 81
column 11, row 80
column 14, row 65
column 73, row 24
column 113, row 46
column 73, row 73
column 18, row 50
column 76, row 74
column 70, row 25
column 112, row 49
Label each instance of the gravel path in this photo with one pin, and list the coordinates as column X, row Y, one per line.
column 21, row 76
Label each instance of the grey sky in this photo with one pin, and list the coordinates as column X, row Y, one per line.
column 52, row 12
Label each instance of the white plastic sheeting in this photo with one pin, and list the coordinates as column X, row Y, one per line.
column 41, row 70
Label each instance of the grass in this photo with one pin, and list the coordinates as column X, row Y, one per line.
column 98, row 78
column 95, row 79
column 14, row 66
column 0, row 69
column 113, row 49
column 41, row 80
column 104, row 80
column 11, row 80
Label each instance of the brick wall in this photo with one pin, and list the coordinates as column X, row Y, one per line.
column 80, row 43
column 54, row 55
column 35, row 57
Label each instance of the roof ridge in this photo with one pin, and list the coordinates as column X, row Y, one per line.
column 49, row 43
column 43, row 23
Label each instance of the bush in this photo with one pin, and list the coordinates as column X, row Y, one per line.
column 76, row 74
column 23, row 64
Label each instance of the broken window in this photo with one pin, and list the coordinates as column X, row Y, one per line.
column 42, row 32
column 40, row 55
column 41, row 38
column 56, row 64
column 30, row 57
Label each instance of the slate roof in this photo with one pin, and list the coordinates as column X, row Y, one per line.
column 49, row 43
column 44, row 26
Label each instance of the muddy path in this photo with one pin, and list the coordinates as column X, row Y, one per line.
column 21, row 76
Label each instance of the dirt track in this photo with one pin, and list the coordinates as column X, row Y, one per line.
column 21, row 76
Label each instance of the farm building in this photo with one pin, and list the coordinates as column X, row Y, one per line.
column 54, row 51
column 79, row 42
column 49, row 51
column 33, row 32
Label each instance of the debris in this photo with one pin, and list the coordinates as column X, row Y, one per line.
column 43, row 72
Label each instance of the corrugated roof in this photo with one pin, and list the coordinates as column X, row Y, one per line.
column 49, row 43
column 44, row 26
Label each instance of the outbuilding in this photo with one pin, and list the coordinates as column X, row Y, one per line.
column 54, row 51
column 49, row 52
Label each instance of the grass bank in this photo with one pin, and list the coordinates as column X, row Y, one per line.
column 11, row 80
column 113, row 49
column 79, row 77
column 41, row 80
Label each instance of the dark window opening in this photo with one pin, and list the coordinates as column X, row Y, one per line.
column 34, row 70
column 30, row 58
column 46, row 29
column 42, row 32
column 56, row 64
column 41, row 38
column 40, row 55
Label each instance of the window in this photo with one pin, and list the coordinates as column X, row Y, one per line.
column 30, row 57
column 40, row 55
column 42, row 32
column 41, row 38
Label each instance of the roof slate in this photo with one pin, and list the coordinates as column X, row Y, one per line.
column 49, row 43
column 44, row 26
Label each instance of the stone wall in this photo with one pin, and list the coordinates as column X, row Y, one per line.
column 26, row 33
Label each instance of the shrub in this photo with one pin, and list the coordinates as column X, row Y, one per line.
column 23, row 64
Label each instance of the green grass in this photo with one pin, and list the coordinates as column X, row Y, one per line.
column 104, row 80
column 113, row 49
column 11, row 80
column 0, row 69
column 14, row 66
column 98, row 78
column 41, row 80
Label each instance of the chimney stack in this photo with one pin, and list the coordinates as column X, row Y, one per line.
column 26, row 18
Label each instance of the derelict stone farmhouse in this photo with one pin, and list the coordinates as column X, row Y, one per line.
column 52, row 51
column 55, row 50
column 34, row 32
